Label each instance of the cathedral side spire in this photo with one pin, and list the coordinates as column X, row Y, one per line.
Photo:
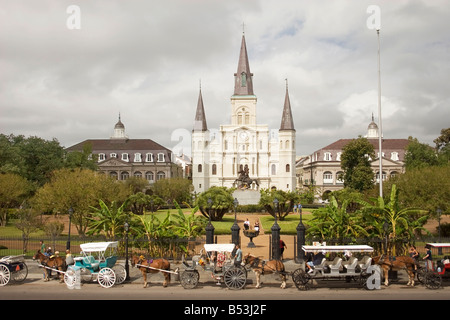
column 243, row 78
column 200, row 117
column 287, row 122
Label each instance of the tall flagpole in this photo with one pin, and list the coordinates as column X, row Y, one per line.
column 380, row 128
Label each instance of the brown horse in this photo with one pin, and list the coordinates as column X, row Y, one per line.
column 54, row 262
column 152, row 266
column 261, row 267
column 396, row 263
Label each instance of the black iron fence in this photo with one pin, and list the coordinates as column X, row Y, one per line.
column 169, row 248
column 174, row 248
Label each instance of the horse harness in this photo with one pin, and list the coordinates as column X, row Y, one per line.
column 256, row 264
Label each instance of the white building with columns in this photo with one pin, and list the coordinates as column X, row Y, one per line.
column 219, row 156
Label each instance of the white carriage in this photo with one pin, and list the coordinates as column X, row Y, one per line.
column 339, row 267
column 215, row 258
column 12, row 268
column 98, row 263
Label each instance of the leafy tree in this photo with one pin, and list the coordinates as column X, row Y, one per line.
column 426, row 188
column 222, row 200
column 140, row 201
column 13, row 190
column 443, row 140
column 286, row 201
column 419, row 155
column 136, row 184
column 443, row 146
column 79, row 189
column 28, row 222
column 10, row 159
column 82, row 159
column 33, row 158
column 53, row 229
column 307, row 195
column 173, row 189
column 355, row 162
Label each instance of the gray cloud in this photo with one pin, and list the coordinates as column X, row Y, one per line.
column 144, row 59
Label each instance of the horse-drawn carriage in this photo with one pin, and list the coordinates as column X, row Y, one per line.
column 12, row 267
column 98, row 263
column 352, row 268
column 440, row 269
column 215, row 258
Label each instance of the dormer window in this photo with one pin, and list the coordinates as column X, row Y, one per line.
column 137, row 157
column 160, row 157
column 125, row 157
column 101, row 157
column 113, row 155
column 394, row 156
column 327, row 156
column 149, row 157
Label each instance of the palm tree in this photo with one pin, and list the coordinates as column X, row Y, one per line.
column 107, row 220
column 334, row 222
column 398, row 219
column 188, row 225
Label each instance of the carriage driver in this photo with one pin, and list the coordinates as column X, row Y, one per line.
column 238, row 256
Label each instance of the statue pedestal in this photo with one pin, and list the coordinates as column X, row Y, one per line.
column 247, row 196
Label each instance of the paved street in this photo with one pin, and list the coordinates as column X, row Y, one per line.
column 211, row 300
column 34, row 288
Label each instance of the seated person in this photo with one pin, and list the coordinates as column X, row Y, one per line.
column 317, row 260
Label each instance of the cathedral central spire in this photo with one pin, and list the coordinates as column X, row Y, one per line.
column 243, row 78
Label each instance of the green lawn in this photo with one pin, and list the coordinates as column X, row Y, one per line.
column 288, row 225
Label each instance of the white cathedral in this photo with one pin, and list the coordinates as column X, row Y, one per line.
column 244, row 149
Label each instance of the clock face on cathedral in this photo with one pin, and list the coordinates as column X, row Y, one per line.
column 243, row 135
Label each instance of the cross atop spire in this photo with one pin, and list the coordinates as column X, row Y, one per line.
column 243, row 78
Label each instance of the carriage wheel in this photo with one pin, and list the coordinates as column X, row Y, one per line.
column 421, row 275
column 70, row 277
column 5, row 275
column 121, row 273
column 85, row 275
column 433, row 280
column 363, row 276
column 235, row 277
column 21, row 274
column 106, row 277
column 189, row 279
column 301, row 279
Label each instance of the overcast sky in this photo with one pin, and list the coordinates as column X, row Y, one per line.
column 145, row 58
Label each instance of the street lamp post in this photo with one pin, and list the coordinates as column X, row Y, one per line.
column 235, row 228
column 209, row 228
column 70, row 226
column 439, row 212
column 127, row 267
column 301, row 230
column 275, row 234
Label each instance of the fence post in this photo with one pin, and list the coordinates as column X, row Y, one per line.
column 301, row 230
